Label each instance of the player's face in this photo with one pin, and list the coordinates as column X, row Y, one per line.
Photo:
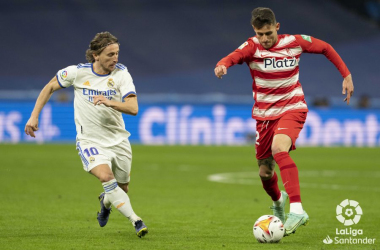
column 267, row 35
column 108, row 58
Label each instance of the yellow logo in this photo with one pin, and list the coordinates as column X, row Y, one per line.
column 87, row 83
column 120, row 205
column 264, row 224
column 110, row 83
column 92, row 159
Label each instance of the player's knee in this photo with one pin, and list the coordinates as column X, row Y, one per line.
column 105, row 177
column 266, row 168
column 276, row 148
column 265, row 174
column 124, row 186
column 281, row 143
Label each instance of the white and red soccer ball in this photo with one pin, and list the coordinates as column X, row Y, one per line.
column 268, row 229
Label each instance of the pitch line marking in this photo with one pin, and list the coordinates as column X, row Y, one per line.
column 251, row 178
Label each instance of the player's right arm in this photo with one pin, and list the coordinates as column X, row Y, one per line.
column 239, row 56
column 32, row 124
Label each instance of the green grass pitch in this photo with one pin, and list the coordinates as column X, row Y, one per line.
column 49, row 202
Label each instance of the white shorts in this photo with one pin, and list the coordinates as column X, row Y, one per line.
column 118, row 158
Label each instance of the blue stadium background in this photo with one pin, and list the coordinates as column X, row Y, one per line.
column 171, row 48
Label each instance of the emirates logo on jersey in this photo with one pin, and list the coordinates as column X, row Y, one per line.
column 272, row 63
column 93, row 92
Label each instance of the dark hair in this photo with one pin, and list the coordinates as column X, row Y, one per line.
column 98, row 44
column 262, row 16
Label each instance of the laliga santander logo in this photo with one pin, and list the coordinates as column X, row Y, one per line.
column 64, row 74
column 349, row 212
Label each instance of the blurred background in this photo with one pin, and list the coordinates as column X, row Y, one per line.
column 171, row 48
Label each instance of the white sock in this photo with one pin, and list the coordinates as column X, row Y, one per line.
column 296, row 207
column 107, row 203
column 278, row 202
column 119, row 199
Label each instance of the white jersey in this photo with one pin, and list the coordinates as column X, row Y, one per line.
column 100, row 124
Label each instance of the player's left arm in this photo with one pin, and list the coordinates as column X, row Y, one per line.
column 127, row 89
column 129, row 106
column 313, row 45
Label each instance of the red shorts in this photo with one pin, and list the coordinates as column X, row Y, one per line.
column 290, row 124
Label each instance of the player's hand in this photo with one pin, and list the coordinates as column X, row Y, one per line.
column 220, row 71
column 100, row 99
column 348, row 87
column 31, row 126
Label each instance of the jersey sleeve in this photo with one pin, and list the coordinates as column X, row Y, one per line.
column 126, row 85
column 310, row 44
column 240, row 55
column 66, row 76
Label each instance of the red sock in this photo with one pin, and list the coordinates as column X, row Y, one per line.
column 271, row 187
column 289, row 175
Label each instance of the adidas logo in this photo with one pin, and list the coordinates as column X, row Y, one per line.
column 87, row 83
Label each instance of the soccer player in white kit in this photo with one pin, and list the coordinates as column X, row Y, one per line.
column 103, row 90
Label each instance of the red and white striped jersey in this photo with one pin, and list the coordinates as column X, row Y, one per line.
column 275, row 72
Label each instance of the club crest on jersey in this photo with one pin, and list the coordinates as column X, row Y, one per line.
column 110, row 83
column 278, row 64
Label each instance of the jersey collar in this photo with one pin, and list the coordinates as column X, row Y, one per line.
column 92, row 69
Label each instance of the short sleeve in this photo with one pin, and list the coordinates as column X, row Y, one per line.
column 66, row 76
column 126, row 85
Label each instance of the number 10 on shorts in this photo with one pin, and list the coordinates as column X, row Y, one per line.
column 91, row 151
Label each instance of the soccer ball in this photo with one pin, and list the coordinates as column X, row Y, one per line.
column 268, row 229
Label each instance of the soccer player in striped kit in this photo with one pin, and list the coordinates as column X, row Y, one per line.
column 280, row 108
column 103, row 90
